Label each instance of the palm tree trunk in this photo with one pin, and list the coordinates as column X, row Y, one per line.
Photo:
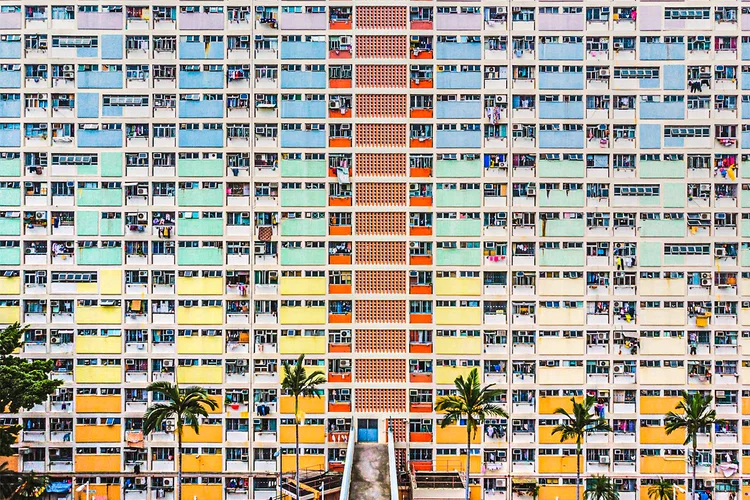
column 179, row 463
column 468, row 459
column 296, row 443
column 578, row 471
column 695, row 464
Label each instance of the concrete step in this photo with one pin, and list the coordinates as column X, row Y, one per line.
column 370, row 474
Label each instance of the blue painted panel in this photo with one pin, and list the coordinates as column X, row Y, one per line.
column 99, row 79
column 87, row 105
column 87, row 52
column 561, row 139
column 459, row 80
column 458, row 109
column 458, row 51
column 303, row 138
column 745, row 140
column 746, row 110
column 112, row 46
column 303, row 109
column 662, row 111
column 303, row 50
column 303, row 80
column 674, row 77
column 10, row 50
column 564, row 110
column 10, row 79
column 200, row 50
column 10, row 109
column 662, row 52
column 745, row 51
column 561, row 51
column 201, row 109
column 649, row 83
column 650, row 136
column 10, row 138
column 445, row 139
column 99, row 138
column 561, row 81
column 200, row 138
column 201, row 80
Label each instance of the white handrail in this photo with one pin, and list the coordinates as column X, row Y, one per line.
column 392, row 465
column 346, row 480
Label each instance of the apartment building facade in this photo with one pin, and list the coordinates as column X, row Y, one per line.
column 550, row 192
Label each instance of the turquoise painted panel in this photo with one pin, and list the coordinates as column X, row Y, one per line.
column 111, row 227
column 304, row 168
column 662, row 170
column 203, row 256
column 188, row 167
column 99, row 257
column 10, row 197
column 649, row 253
column 458, row 257
column 663, row 228
column 303, row 198
column 304, row 256
column 745, row 228
column 458, row 227
column 95, row 197
column 200, row 227
column 200, row 197
column 674, row 195
column 562, row 257
column 10, row 168
column 562, row 198
column 304, row 227
column 563, row 227
column 10, row 226
column 458, row 168
column 565, row 169
column 458, row 198
column 87, row 223
column 10, row 256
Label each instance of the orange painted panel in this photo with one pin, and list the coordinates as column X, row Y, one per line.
column 416, row 143
column 420, row 172
column 335, row 113
column 340, row 231
column 339, row 259
column 340, row 83
column 340, row 407
column 420, row 318
column 423, row 84
column 420, row 289
column 420, row 437
column 339, row 289
column 427, row 54
column 420, row 201
column 420, row 231
column 420, row 260
column 420, row 348
column 340, row 348
column 340, row 142
column 340, row 318
column 339, row 201
column 420, row 113
column 341, row 25
column 420, row 407
column 421, row 25
column 420, row 378
column 340, row 54
column 339, row 378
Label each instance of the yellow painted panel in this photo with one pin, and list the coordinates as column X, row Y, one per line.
column 97, row 463
column 10, row 286
column 448, row 374
column 457, row 463
column 558, row 464
column 561, row 376
column 303, row 316
column 548, row 405
column 201, row 491
column 660, row 287
column 200, row 286
column 561, row 346
column 658, row 405
column 565, row 316
column 95, row 344
column 312, row 434
column 663, row 345
column 557, row 492
column 94, row 315
column 455, row 434
column 307, row 405
column 98, row 374
column 110, row 281
column 207, row 434
column 475, row 492
column 660, row 465
column 458, row 286
column 458, row 345
column 746, row 405
column 291, row 285
column 546, row 436
column 10, row 314
column 205, row 374
column 302, row 345
column 665, row 316
column 88, row 288
column 98, row 404
column 213, row 315
column 657, row 435
column 661, row 376
column 108, row 491
column 200, row 345
column 746, row 437
column 745, row 317
column 745, row 286
column 561, row 286
column 202, row 463
column 98, row 433
column 306, row 462
column 458, row 316
column 745, row 469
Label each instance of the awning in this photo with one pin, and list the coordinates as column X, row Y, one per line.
column 58, row 487
column 523, row 480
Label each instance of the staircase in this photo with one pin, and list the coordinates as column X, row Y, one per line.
column 370, row 475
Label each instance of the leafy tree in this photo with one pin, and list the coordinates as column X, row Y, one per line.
column 473, row 403
column 298, row 383
column 661, row 490
column 601, row 488
column 185, row 406
column 24, row 383
column 694, row 414
column 578, row 424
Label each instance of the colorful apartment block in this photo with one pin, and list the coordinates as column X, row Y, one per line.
column 550, row 192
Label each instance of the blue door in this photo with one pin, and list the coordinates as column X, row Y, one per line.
column 367, row 430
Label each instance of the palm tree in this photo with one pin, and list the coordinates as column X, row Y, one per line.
column 601, row 488
column 661, row 490
column 694, row 413
column 15, row 486
column 185, row 406
column 299, row 384
column 579, row 423
column 473, row 403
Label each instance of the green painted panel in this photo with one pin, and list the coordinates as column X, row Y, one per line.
column 99, row 257
column 188, row 167
column 200, row 227
column 674, row 260
column 458, row 168
column 303, row 198
column 458, row 227
column 562, row 198
column 96, row 197
column 87, row 170
column 203, row 256
column 745, row 257
column 200, row 197
column 745, row 228
column 649, row 201
column 304, row 256
column 304, row 168
column 111, row 227
column 564, row 169
column 674, row 194
column 745, row 198
column 304, row 227
column 10, row 226
column 111, row 163
column 458, row 198
column 565, row 257
column 87, row 223
column 662, row 170
column 10, row 197
column 10, row 256
column 650, row 254
column 662, row 228
column 10, row 168
column 563, row 227
column 458, row 257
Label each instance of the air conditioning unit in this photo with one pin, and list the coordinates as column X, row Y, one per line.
column 604, row 459
column 603, row 363
column 142, row 191
column 244, row 457
column 334, row 105
column 412, row 244
column 720, row 252
column 142, row 216
column 531, row 191
column 618, row 369
column 169, row 426
column 168, row 482
column 168, row 363
column 141, row 481
column 604, row 73
column 706, row 282
column 55, row 340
